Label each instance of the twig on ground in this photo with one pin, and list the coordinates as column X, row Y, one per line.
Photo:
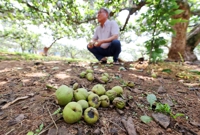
column 17, row 99
column 49, row 126
column 53, row 120
column 117, row 125
column 139, row 107
column 9, row 131
column 129, row 126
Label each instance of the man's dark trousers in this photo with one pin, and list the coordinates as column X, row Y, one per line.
column 113, row 50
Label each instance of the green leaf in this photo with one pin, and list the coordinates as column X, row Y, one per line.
column 30, row 133
column 164, row 108
column 167, row 70
column 145, row 119
column 178, row 115
column 178, row 12
column 195, row 71
column 57, row 111
column 151, row 98
column 41, row 126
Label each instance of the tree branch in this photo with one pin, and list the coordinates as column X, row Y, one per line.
column 54, row 42
column 35, row 8
column 85, row 21
column 131, row 11
column 5, row 35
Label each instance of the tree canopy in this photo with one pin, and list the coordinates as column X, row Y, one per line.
column 77, row 18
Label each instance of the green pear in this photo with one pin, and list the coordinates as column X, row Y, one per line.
column 154, row 75
column 105, row 74
column 89, row 92
column 118, row 89
column 80, row 94
column 84, row 104
column 93, row 100
column 72, row 112
column 64, row 95
column 90, row 76
column 119, row 102
column 105, row 102
column 83, row 74
column 98, row 89
column 75, row 86
column 91, row 115
column 111, row 94
column 130, row 84
column 89, row 71
column 105, row 79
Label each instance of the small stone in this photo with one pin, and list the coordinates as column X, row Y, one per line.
column 19, row 118
column 167, row 101
column 120, row 111
column 137, row 91
column 97, row 131
column 113, row 131
column 162, row 119
column 62, row 131
column 161, row 90
column 52, row 131
column 169, row 130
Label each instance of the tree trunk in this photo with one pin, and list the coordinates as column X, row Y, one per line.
column 46, row 49
column 178, row 45
column 193, row 40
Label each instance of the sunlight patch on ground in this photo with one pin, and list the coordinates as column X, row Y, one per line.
column 4, row 70
column 62, row 76
column 25, row 80
column 2, row 83
column 68, row 70
column 36, row 75
column 52, row 62
column 143, row 77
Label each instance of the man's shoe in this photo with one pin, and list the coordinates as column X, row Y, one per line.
column 120, row 60
column 103, row 60
column 116, row 63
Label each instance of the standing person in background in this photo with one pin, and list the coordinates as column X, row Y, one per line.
column 105, row 40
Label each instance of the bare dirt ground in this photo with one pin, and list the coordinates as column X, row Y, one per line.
column 27, row 80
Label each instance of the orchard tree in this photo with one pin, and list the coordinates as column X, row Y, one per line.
column 27, row 40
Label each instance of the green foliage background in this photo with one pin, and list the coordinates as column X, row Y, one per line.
column 76, row 19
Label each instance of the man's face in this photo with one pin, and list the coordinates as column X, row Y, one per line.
column 102, row 15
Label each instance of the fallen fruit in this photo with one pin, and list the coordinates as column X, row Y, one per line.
column 130, row 84
column 80, row 94
column 72, row 112
column 118, row 89
column 105, row 102
column 98, row 89
column 154, row 75
column 90, row 76
column 119, row 102
column 90, row 92
column 84, row 104
column 93, row 100
column 105, row 74
column 105, row 79
column 64, row 95
column 82, row 74
column 75, row 86
column 91, row 115
column 89, row 71
column 111, row 94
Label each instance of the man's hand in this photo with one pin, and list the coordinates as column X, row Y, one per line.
column 91, row 44
column 98, row 43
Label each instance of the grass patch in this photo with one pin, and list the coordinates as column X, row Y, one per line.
column 27, row 56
